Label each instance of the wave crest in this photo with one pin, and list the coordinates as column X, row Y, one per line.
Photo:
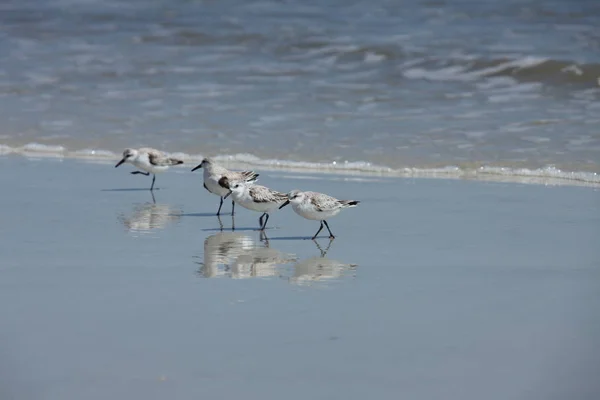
column 524, row 69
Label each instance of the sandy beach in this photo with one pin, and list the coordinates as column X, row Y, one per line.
column 433, row 289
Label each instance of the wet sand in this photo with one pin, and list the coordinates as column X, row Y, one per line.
column 433, row 289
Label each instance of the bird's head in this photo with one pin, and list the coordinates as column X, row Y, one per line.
column 128, row 155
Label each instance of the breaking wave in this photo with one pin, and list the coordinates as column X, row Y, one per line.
column 548, row 175
column 525, row 69
column 457, row 67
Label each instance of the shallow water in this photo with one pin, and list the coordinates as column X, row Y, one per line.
column 432, row 289
column 413, row 84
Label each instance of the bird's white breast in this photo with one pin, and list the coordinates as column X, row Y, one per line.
column 212, row 183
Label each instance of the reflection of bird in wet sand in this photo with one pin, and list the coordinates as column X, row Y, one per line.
column 146, row 217
column 221, row 249
column 319, row 268
column 238, row 256
column 260, row 262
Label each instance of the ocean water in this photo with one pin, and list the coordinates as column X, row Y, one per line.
column 487, row 87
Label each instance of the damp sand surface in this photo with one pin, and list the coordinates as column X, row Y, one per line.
column 432, row 289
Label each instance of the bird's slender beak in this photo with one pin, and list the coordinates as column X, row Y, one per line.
column 196, row 167
column 120, row 162
column 284, row 204
column 227, row 195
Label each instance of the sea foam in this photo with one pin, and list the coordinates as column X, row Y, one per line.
column 549, row 175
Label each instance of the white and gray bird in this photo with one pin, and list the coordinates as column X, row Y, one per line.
column 149, row 160
column 217, row 176
column 256, row 198
column 317, row 206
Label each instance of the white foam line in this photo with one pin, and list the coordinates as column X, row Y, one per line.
column 545, row 176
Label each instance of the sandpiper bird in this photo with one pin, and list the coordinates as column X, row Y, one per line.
column 317, row 206
column 151, row 161
column 256, row 198
column 216, row 178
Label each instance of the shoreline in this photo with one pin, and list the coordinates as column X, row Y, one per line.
column 548, row 176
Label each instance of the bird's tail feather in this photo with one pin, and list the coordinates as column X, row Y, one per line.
column 349, row 203
column 250, row 176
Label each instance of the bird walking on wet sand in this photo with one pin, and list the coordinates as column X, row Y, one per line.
column 317, row 206
column 256, row 198
column 151, row 161
column 216, row 178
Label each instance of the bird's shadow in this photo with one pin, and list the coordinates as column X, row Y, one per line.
column 129, row 190
column 291, row 238
column 234, row 229
column 300, row 238
column 199, row 215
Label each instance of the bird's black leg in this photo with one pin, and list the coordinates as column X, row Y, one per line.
column 220, row 205
column 153, row 179
column 262, row 226
column 140, row 172
column 330, row 234
column 319, row 231
column 232, row 208
column 265, row 224
column 260, row 220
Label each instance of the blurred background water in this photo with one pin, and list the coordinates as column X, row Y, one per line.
column 398, row 84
